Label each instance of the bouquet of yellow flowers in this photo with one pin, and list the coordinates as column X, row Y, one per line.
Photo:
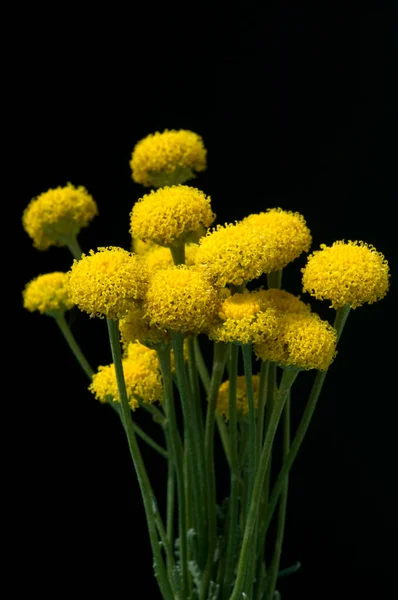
column 184, row 280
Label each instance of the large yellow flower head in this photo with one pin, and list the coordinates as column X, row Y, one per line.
column 141, row 374
column 135, row 327
column 242, row 403
column 106, row 283
column 302, row 340
column 242, row 320
column 170, row 214
column 351, row 273
column 55, row 216
column 48, row 294
column 168, row 158
column 287, row 231
column 181, row 299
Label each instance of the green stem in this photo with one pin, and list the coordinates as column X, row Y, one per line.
column 143, row 480
column 195, row 450
column 233, row 448
column 157, row 415
column 73, row 345
column 252, row 465
column 201, row 366
column 288, row 378
column 166, row 543
column 220, row 352
column 176, row 456
column 144, row 436
column 170, row 501
column 177, row 250
column 339, row 323
column 274, row 569
column 74, row 247
column 262, row 398
column 275, row 279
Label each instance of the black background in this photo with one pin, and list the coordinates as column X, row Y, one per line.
column 296, row 109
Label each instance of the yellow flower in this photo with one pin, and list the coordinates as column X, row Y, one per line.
column 135, row 327
column 287, row 231
column 235, row 254
column 53, row 217
column 281, row 300
column 106, row 282
column 48, row 293
column 181, row 299
column 141, row 374
column 168, row 158
column 242, row 405
column 242, row 320
column 159, row 257
column 346, row 273
column 170, row 214
column 301, row 340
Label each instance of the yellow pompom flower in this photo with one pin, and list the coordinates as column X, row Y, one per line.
column 141, row 374
column 236, row 253
column 106, row 283
column 135, row 327
column 302, row 340
column 241, row 320
column 55, row 216
column 351, row 273
column 287, row 230
column 170, row 214
column 242, row 404
column 48, row 293
column 168, row 158
column 281, row 300
column 181, row 299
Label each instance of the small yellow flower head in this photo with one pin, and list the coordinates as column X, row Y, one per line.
column 135, row 327
column 242, row 404
column 242, row 320
column 106, row 283
column 287, row 231
column 181, row 299
column 235, row 253
column 302, row 340
column 159, row 257
column 346, row 273
column 281, row 300
column 168, row 158
column 48, row 294
column 58, row 214
column 170, row 214
column 141, row 374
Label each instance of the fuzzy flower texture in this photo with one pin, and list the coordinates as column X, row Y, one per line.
column 168, row 158
column 48, row 294
column 54, row 217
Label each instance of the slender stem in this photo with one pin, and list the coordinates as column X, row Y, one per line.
column 195, row 450
column 195, row 394
column 339, row 323
column 262, row 398
column 74, row 247
column 201, row 366
column 165, row 541
column 252, row 465
column 233, row 447
column 288, row 378
column 73, row 345
column 144, row 436
column 220, row 352
column 176, row 457
column 143, row 480
column 274, row 569
column 275, row 279
column 157, row 413
column 170, row 501
column 177, row 250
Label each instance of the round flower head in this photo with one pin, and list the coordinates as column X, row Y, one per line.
column 105, row 283
column 346, row 273
column 55, row 216
column 170, row 214
column 235, row 254
column 141, row 374
column 281, row 301
column 168, row 158
column 302, row 340
column 135, row 327
column 288, row 231
column 48, row 294
column 242, row 320
column 242, row 404
column 181, row 299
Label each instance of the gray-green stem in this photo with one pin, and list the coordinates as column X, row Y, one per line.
column 73, row 345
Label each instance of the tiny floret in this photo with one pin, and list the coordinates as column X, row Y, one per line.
column 242, row 403
column 181, row 299
column 168, row 158
column 106, row 282
column 135, row 327
column 55, row 216
column 170, row 214
column 48, row 294
column 351, row 273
